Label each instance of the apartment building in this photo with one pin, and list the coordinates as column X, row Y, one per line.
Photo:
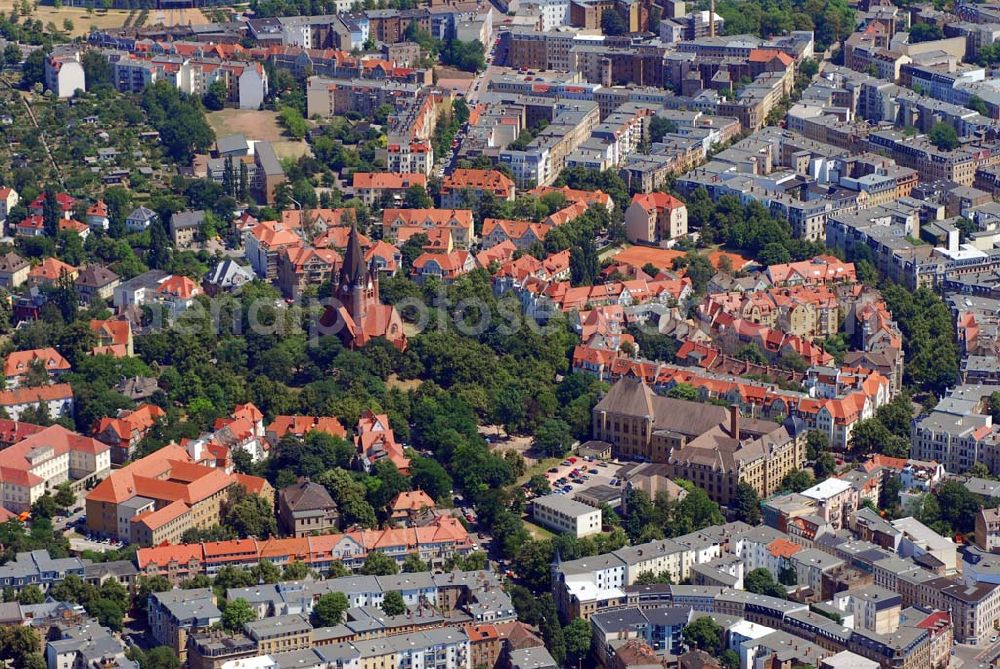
column 38, row 568
column 264, row 242
column 246, row 82
column 64, row 74
column 157, row 498
column 465, row 187
column 572, row 123
column 655, row 218
column 433, row 543
column 988, row 530
column 174, row 615
column 458, row 222
column 415, row 156
column 306, row 508
column 280, row 634
column 19, row 364
column 956, row 435
column 124, row 432
column 932, row 163
column 385, row 189
column 721, row 458
column 559, row 513
column 974, row 609
column 40, row 462
column 300, row 267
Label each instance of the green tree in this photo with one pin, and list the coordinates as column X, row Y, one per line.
column 18, row 643
column 816, row 442
column 684, row 391
column 925, row 32
column 613, row 23
column 65, row 497
column 161, row 657
column 379, row 564
column 109, row 613
column 577, row 635
column 179, row 119
column 553, row 438
column 249, row 515
column 428, row 475
column 33, row 69
column 30, row 594
column 583, row 263
column 417, row 198
column 977, row 104
column 943, row 136
column 12, row 54
column 652, row 578
column 413, row 564
column 329, row 609
column 761, row 582
column 466, row 56
column 658, row 127
column 393, row 604
column 825, row 466
column 704, row 634
column 797, row 480
column 237, row 614
column 45, row 507
column 730, row 659
column 747, row 505
column 51, row 212
column 295, row 571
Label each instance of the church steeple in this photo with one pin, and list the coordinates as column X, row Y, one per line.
column 357, row 287
column 353, row 269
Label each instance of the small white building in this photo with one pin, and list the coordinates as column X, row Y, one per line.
column 64, row 73
column 562, row 514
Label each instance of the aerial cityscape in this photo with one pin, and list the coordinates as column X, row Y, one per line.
column 499, row 334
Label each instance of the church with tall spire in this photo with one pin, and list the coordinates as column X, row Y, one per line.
column 357, row 305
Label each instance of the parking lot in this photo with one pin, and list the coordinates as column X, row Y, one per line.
column 588, row 474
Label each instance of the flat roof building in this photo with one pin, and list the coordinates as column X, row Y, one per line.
column 566, row 515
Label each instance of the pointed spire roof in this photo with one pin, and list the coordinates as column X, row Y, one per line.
column 353, row 271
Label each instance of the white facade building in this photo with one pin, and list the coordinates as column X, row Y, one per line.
column 566, row 515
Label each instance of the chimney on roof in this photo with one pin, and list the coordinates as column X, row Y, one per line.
column 734, row 421
column 711, row 19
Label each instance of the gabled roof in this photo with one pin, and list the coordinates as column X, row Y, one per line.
column 307, row 496
column 11, row 262
column 51, row 269
column 388, row 180
column 19, row 362
column 96, row 276
column 657, row 201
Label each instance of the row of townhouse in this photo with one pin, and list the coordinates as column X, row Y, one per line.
column 759, row 627
column 246, row 82
column 539, row 164
column 810, row 312
column 589, row 585
column 434, row 544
